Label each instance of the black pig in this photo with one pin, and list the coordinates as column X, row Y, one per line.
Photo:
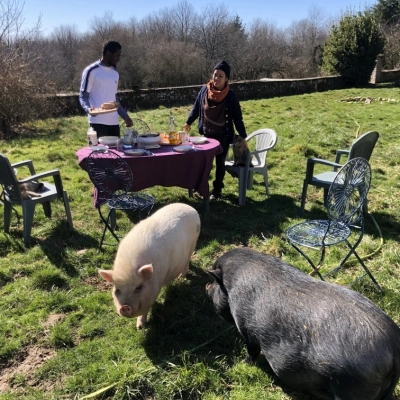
column 318, row 337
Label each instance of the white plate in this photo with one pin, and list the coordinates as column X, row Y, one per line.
column 100, row 147
column 155, row 146
column 183, row 149
column 198, row 140
column 109, row 140
column 134, row 152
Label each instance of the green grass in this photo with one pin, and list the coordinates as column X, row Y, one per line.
column 187, row 352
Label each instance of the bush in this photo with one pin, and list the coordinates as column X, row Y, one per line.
column 353, row 47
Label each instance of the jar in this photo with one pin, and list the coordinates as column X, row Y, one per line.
column 128, row 136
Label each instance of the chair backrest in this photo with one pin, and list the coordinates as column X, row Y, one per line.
column 8, row 180
column 109, row 172
column 364, row 145
column 266, row 139
column 348, row 191
column 140, row 127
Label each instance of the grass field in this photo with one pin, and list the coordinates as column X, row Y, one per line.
column 60, row 337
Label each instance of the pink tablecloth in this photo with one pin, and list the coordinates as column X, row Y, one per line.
column 167, row 168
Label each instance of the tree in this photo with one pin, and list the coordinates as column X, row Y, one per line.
column 22, row 80
column 352, row 48
column 306, row 38
column 387, row 11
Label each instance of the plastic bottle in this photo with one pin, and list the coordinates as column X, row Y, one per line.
column 92, row 137
column 172, row 130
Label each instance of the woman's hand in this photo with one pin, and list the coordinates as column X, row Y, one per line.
column 187, row 128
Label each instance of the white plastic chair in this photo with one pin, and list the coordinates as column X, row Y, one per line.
column 256, row 161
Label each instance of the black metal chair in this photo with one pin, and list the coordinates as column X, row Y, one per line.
column 12, row 194
column 113, row 178
column 344, row 204
column 140, row 127
column 361, row 147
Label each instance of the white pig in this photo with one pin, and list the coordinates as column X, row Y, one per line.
column 154, row 253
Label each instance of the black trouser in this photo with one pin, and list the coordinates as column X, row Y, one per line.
column 218, row 182
column 106, row 130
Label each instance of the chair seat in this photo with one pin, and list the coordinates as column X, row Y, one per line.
column 47, row 194
column 316, row 233
column 324, row 179
column 131, row 201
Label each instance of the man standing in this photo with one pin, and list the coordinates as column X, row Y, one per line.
column 100, row 85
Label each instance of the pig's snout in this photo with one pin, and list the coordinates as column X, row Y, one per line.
column 126, row 311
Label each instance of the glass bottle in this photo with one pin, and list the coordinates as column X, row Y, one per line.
column 172, row 130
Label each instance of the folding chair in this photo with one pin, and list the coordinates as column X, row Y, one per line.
column 113, row 178
column 344, row 204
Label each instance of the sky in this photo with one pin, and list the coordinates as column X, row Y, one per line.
column 80, row 13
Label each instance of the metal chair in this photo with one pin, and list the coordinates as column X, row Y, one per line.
column 256, row 162
column 112, row 176
column 345, row 200
column 140, row 127
column 361, row 147
column 12, row 195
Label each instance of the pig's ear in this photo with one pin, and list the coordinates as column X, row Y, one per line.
column 107, row 275
column 146, row 272
column 217, row 275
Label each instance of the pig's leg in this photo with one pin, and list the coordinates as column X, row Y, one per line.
column 141, row 321
column 253, row 351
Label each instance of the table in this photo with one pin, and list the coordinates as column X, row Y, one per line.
column 166, row 167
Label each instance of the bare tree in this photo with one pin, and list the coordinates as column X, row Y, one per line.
column 182, row 18
column 211, row 34
column 306, row 39
column 66, row 43
column 21, row 79
column 265, row 52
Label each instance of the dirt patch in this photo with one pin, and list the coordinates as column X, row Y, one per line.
column 26, row 363
column 53, row 320
column 99, row 283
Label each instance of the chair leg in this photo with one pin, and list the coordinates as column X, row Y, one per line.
column 107, row 225
column 67, row 210
column 7, row 216
column 250, row 180
column 367, row 271
column 303, row 197
column 265, row 173
column 47, row 209
column 242, row 186
column 28, row 211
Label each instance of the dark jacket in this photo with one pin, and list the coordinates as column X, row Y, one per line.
column 233, row 114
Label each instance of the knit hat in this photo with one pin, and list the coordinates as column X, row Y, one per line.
column 224, row 66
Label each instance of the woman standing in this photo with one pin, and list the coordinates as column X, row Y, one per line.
column 218, row 111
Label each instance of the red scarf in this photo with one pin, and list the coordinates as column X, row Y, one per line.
column 216, row 95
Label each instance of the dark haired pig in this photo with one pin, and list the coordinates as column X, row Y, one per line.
column 318, row 337
column 155, row 252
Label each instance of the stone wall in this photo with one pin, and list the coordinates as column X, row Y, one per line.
column 142, row 99
column 380, row 75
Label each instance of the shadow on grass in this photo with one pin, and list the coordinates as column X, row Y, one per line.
column 60, row 239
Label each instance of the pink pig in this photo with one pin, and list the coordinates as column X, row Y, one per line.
column 154, row 253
